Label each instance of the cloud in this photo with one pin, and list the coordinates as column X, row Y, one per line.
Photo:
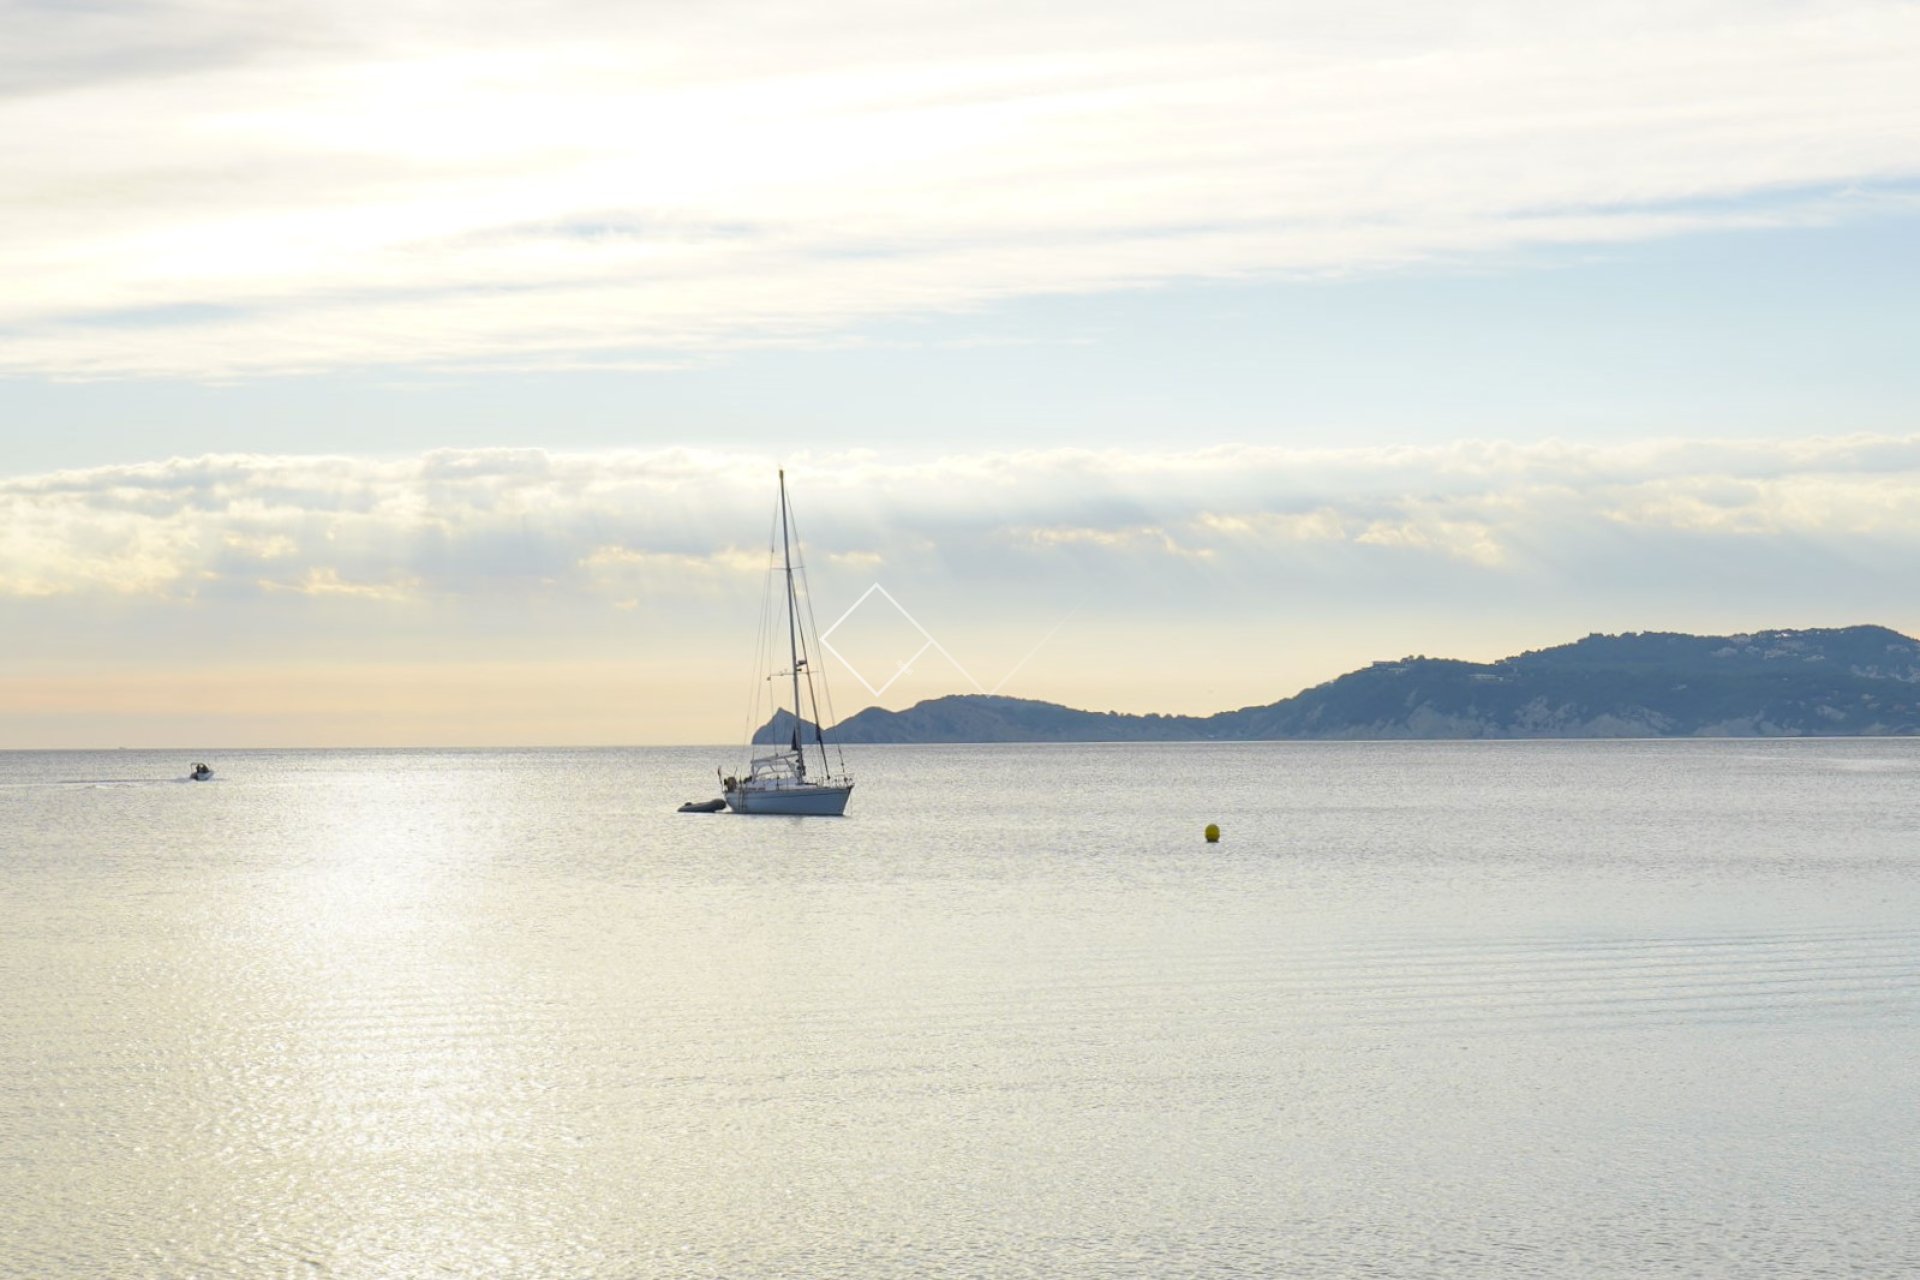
column 492, row 525
column 630, row 574
column 328, row 582
column 1150, row 539
column 1463, row 539
column 1153, row 580
column 194, row 192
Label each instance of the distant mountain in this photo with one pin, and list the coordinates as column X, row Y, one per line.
column 1841, row 681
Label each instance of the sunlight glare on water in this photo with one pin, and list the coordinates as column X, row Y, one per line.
column 1598, row 1009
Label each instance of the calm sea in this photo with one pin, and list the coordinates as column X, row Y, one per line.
column 1503, row 1009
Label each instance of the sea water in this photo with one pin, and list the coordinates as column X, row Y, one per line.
column 1427, row 1009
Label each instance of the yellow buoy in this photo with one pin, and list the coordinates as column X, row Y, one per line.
column 1213, row 834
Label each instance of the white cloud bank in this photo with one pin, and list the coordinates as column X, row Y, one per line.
column 196, row 192
column 492, row 525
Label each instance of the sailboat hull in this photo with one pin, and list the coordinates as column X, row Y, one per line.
column 802, row 801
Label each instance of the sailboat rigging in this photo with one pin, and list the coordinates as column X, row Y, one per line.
column 781, row 781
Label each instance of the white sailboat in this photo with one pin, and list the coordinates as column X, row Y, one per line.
column 783, row 779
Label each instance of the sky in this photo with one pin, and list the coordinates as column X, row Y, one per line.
column 418, row 374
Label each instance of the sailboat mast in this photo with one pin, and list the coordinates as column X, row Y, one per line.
column 793, row 618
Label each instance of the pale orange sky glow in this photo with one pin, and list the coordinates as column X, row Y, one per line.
column 521, row 597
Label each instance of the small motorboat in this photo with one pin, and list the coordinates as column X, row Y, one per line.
column 200, row 772
column 703, row 806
